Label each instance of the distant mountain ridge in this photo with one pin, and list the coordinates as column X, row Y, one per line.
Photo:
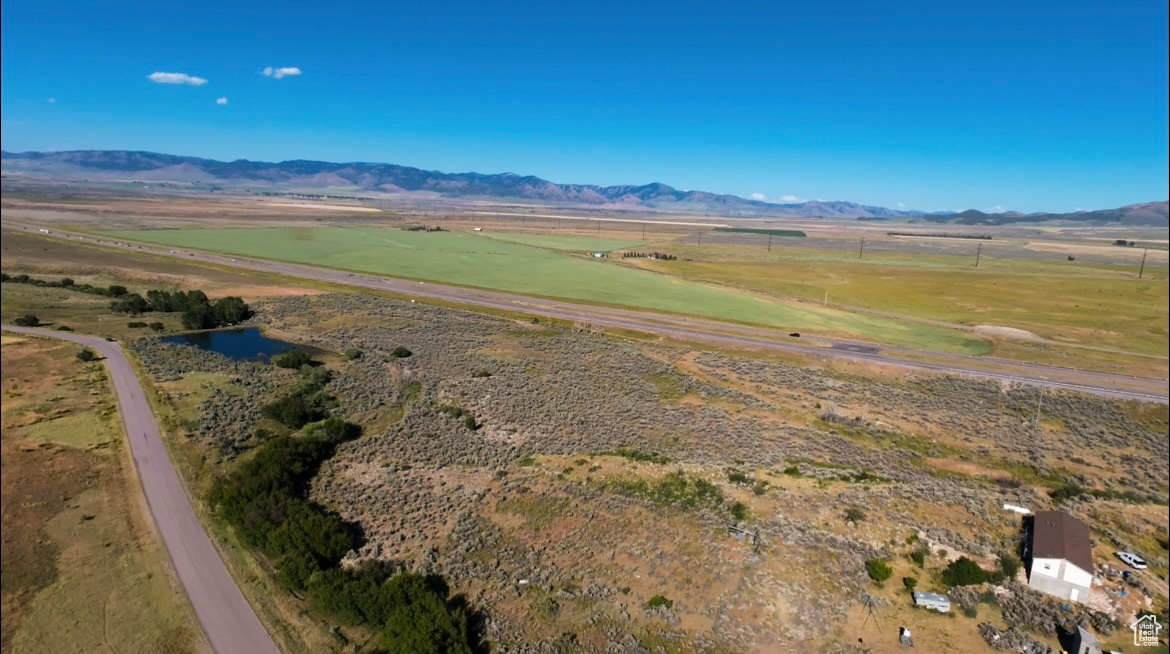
column 379, row 178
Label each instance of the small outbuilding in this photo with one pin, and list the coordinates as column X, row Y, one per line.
column 933, row 601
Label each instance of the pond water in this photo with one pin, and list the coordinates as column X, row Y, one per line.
column 246, row 344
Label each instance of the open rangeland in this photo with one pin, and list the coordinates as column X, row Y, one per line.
column 83, row 570
column 592, row 492
column 586, row 492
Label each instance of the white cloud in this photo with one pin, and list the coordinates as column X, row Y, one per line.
column 998, row 209
column 221, row 101
column 176, row 78
column 51, row 100
column 790, row 198
column 901, row 205
column 279, row 73
column 760, row 197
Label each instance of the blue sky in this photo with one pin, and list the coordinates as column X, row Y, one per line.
column 1033, row 105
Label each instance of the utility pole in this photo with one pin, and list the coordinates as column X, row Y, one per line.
column 769, row 242
column 1039, row 403
column 826, row 298
column 643, row 231
column 862, row 250
column 978, row 252
column 1143, row 268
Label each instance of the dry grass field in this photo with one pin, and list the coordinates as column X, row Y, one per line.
column 83, row 571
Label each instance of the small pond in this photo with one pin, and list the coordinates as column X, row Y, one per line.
column 246, row 344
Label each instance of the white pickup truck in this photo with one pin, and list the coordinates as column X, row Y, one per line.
column 1132, row 560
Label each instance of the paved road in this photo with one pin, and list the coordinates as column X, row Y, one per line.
column 689, row 329
column 228, row 620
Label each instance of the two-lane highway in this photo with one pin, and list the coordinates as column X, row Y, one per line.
column 228, row 620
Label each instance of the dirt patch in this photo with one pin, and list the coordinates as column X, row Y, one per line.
column 1006, row 332
column 329, row 207
column 967, row 468
column 258, row 291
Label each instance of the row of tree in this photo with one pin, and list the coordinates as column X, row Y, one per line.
column 113, row 290
column 199, row 312
column 649, row 255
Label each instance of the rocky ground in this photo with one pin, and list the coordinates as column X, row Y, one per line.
column 596, row 473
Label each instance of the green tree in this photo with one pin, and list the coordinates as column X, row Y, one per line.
column 659, row 600
column 230, row 310
column 333, row 429
column 198, row 316
column 27, row 320
column 157, row 326
column 739, row 511
column 161, row 300
column 292, row 358
column 400, row 352
column 1009, row 565
column 87, row 355
column 131, row 303
column 296, row 410
column 420, row 621
column 918, row 556
column 963, row 572
column 879, row 570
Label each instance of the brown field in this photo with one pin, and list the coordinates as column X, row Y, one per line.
column 51, row 258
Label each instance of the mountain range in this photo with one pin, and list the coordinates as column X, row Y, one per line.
column 385, row 180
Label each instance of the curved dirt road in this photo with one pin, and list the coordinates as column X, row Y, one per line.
column 228, row 620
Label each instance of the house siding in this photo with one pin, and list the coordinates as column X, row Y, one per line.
column 1060, row 578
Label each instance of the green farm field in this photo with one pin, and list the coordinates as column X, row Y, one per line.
column 475, row 260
